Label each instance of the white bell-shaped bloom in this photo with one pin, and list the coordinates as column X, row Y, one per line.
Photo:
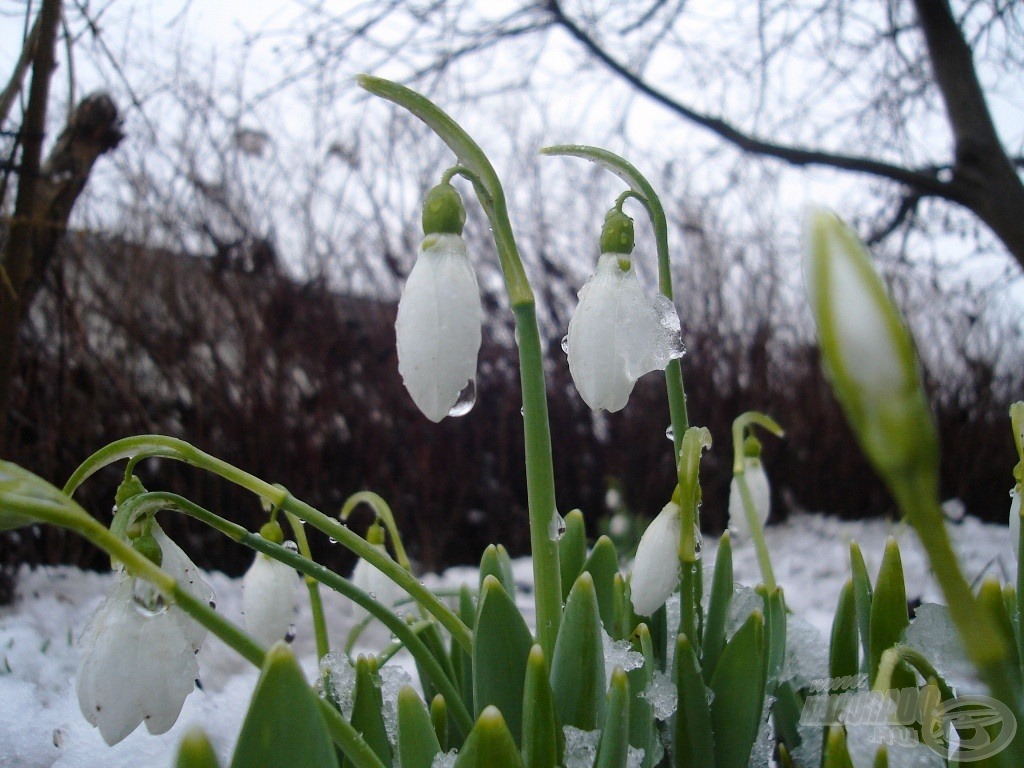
column 656, row 567
column 373, row 581
column 438, row 325
column 268, row 598
column 760, row 495
column 138, row 661
column 617, row 334
column 1015, row 518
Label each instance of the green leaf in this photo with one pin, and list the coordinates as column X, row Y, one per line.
column 642, row 730
column 462, row 662
column 577, row 670
column 739, row 687
column 613, row 747
column 417, row 741
column 283, row 727
column 603, row 564
column 496, row 562
column 718, row 608
column 431, row 637
column 862, row 599
column 490, row 744
column 367, row 708
column 439, row 720
column 572, row 550
column 786, row 715
column 990, row 600
column 542, row 736
column 843, row 659
column 889, row 617
column 21, row 492
column 501, row 645
column 195, row 751
column 694, row 740
column 836, row 754
column 775, row 636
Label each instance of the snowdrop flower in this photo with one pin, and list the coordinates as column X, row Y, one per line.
column 138, row 658
column 268, row 593
column 617, row 334
column 656, row 566
column 439, row 314
column 757, row 484
column 373, row 581
column 868, row 352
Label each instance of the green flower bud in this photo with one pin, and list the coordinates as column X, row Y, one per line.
column 617, row 234
column 147, row 546
column 752, row 447
column 443, row 212
column 130, row 486
column 272, row 532
column 375, row 535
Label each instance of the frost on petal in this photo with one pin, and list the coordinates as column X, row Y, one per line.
column 760, row 494
column 268, row 599
column 656, row 567
column 617, row 334
column 133, row 667
column 438, row 326
column 373, row 581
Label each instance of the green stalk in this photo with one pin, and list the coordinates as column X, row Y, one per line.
column 764, row 561
column 323, row 645
column 659, row 223
column 383, row 512
column 540, row 486
column 172, row 448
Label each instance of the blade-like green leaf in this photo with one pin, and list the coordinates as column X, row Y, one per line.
column 367, row 708
column 613, row 747
column 843, row 659
column 195, row 751
column 990, row 599
column 862, row 599
column 572, row 550
column 501, row 645
column 836, row 754
column 577, row 670
column 786, row 715
column 889, row 616
column 431, row 637
column 496, row 562
column 283, row 727
column 718, row 608
column 542, row 736
column 694, row 742
column 603, row 565
column 739, row 686
column 642, row 730
column 417, row 741
column 462, row 662
column 490, row 744
column 775, row 637
column 439, row 720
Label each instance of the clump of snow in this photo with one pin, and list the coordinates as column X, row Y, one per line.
column 662, row 695
column 392, row 679
column 445, row 759
column 580, row 747
column 619, row 653
column 338, row 681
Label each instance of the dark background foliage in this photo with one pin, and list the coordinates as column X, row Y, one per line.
column 299, row 385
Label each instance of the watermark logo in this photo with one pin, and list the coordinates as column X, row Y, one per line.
column 963, row 728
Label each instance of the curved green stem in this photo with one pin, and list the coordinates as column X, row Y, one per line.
column 540, row 487
column 383, row 512
column 644, row 192
column 739, row 425
column 323, row 644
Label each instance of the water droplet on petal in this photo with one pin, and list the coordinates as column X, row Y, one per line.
column 466, row 400
column 565, row 344
column 556, row 528
column 147, row 598
column 289, row 636
column 698, row 541
column 670, row 433
column 291, row 546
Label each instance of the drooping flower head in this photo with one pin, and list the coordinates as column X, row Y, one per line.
column 439, row 314
column 656, row 566
column 757, row 484
column 372, row 580
column 268, row 593
column 617, row 334
column 138, row 655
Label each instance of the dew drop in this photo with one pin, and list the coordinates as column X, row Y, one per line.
column 289, row 636
column 466, row 400
column 556, row 528
column 698, row 541
column 332, row 540
column 670, row 433
column 213, row 604
column 147, row 598
column 565, row 344
column 291, row 546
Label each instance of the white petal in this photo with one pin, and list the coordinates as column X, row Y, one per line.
column 187, row 574
column 760, row 494
column 372, row 581
column 133, row 668
column 438, row 325
column 656, row 567
column 268, row 598
column 617, row 334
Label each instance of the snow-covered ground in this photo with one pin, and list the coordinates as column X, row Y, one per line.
column 40, row 722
